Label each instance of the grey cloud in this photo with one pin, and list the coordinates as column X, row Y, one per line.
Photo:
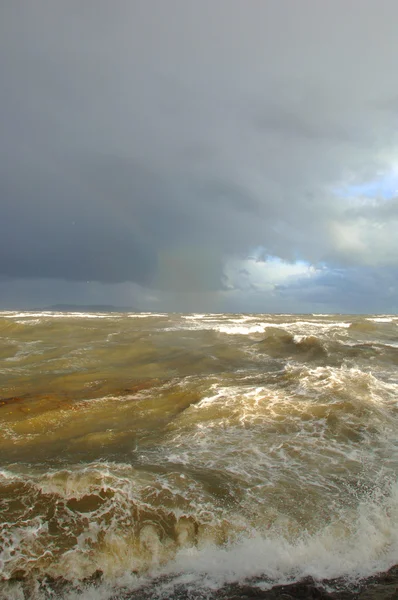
column 111, row 220
column 152, row 142
column 353, row 290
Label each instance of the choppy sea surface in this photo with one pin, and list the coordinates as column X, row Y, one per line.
column 160, row 451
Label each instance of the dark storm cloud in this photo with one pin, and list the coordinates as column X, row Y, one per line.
column 353, row 290
column 109, row 219
column 153, row 142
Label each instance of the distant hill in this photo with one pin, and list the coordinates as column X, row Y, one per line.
column 94, row 308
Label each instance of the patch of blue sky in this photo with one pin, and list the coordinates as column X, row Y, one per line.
column 260, row 254
column 384, row 188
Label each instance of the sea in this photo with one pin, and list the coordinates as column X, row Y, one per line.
column 169, row 455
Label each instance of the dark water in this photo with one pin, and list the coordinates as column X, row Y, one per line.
column 194, row 450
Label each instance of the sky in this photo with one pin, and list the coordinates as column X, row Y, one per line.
column 199, row 155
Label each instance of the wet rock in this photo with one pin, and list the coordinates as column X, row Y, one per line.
column 306, row 589
column 380, row 592
column 380, row 587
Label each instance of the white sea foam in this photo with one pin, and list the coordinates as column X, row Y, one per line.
column 240, row 329
column 145, row 315
column 56, row 315
column 309, row 327
column 200, row 316
column 357, row 541
column 363, row 542
column 380, row 319
column 8, row 475
column 69, row 314
column 247, row 325
column 316, row 324
column 390, row 345
column 25, row 349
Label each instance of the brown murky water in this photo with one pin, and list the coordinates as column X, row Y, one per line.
column 205, row 448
